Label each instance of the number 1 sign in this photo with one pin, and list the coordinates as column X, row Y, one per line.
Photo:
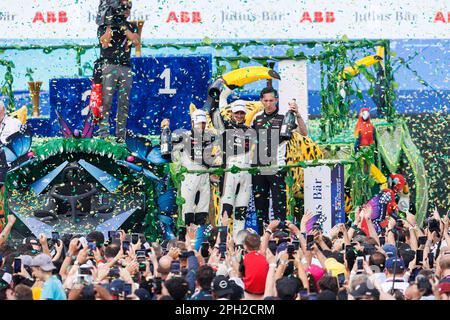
column 164, row 87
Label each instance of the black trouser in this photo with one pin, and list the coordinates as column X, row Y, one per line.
column 263, row 186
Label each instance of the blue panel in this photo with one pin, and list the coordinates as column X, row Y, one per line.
column 42, row 183
column 189, row 76
column 108, row 181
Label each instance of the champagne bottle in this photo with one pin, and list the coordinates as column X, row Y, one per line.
column 288, row 124
column 166, row 141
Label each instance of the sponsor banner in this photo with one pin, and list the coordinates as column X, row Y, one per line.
column 324, row 196
column 234, row 19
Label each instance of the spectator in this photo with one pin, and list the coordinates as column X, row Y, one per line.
column 254, row 267
column 175, row 287
column 204, row 279
column 42, row 269
column 395, row 275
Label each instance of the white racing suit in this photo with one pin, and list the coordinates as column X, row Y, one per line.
column 236, row 187
column 190, row 150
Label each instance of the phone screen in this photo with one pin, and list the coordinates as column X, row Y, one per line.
column 17, row 265
column 422, row 240
column 222, row 249
column 273, row 246
column 175, row 267
column 86, row 271
column 290, row 251
column 309, row 242
column 55, row 236
column 382, row 241
column 341, row 279
column 92, row 246
column 223, row 234
column 126, row 246
column 360, row 265
column 182, row 234
column 419, row 256
column 431, row 259
column 134, row 238
column 296, row 244
column 205, row 249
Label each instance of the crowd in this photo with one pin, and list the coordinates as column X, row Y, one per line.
column 404, row 262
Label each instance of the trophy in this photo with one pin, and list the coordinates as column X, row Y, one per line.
column 35, row 89
column 140, row 25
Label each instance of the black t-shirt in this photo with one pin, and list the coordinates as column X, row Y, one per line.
column 119, row 50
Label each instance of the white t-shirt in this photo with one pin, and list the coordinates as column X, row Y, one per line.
column 9, row 126
column 400, row 284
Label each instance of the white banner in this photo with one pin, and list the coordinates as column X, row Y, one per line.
column 324, row 195
column 293, row 85
column 234, row 19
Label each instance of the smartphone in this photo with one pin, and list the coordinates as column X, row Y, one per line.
column 17, row 265
column 55, row 236
column 92, row 246
column 113, row 235
column 182, row 234
column 223, row 234
column 431, row 259
column 282, row 225
column 422, row 240
column 140, row 255
column 273, row 246
column 157, row 285
column 125, row 246
column 142, row 267
column 360, row 263
column 419, row 256
column 204, row 249
column 290, row 251
column 222, row 249
column 85, row 271
column 175, row 267
column 399, row 223
column 127, row 289
column 114, row 273
column 341, row 279
column 309, row 242
column 382, row 241
column 296, row 244
column 134, row 238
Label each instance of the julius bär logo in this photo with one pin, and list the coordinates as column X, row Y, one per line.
column 50, row 17
column 7, row 16
column 317, row 16
column 440, row 17
column 184, row 17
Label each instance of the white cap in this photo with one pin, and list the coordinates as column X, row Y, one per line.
column 239, row 105
column 198, row 116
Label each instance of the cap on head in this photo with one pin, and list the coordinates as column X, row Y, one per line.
column 44, row 262
column 198, row 116
column 239, row 105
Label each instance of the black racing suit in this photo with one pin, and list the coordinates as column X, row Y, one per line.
column 270, row 150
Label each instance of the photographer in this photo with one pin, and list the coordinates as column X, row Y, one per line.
column 116, row 36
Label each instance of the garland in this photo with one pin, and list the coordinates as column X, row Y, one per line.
column 6, row 88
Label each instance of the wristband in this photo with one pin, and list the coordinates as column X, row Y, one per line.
column 272, row 265
column 100, row 261
column 269, row 231
column 284, row 262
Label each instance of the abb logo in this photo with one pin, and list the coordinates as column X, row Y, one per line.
column 318, row 16
column 440, row 17
column 50, row 17
column 184, row 17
